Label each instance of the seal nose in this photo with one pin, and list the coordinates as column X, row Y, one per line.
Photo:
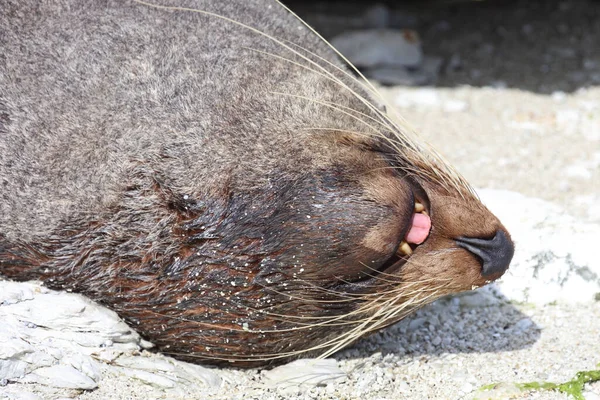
column 495, row 253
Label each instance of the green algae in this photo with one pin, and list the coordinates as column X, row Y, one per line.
column 485, row 388
column 573, row 388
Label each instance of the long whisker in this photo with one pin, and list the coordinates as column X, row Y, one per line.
column 386, row 312
column 332, row 78
column 393, row 298
column 419, row 148
column 460, row 184
column 366, row 102
column 394, row 314
column 327, row 104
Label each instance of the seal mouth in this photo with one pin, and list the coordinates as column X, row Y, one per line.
column 416, row 234
column 418, row 231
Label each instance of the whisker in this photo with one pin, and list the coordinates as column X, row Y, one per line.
column 413, row 142
column 393, row 298
column 460, row 184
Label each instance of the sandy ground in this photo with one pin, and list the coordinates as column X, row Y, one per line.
column 516, row 106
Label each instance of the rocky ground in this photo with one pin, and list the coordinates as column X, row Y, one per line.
column 514, row 104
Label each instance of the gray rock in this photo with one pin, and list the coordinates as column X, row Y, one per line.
column 398, row 75
column 479, row 298
column 380, row 48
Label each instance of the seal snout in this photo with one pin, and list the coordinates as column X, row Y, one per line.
column 495, row 254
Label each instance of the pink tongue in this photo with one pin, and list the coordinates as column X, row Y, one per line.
column 419, row 230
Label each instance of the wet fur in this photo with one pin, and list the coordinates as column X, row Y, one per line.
column 225, row 185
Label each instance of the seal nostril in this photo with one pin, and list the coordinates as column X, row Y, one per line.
column 495, row 253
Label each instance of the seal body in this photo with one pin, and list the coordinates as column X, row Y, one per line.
column 213, row 173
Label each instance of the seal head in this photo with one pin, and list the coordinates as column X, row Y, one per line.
column 220, row 180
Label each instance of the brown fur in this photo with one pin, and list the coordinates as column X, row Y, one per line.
column 225, row 185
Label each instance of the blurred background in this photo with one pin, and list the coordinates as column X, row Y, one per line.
column 508, row 91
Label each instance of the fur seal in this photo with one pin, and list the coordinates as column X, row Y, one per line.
column 214, row 173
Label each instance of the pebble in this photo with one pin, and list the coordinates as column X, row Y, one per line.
column 524, row 324
column 416, row 324
column 478, row 298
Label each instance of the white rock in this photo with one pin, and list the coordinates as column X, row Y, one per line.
column 20, row 395
column 13, row 293
column 177, row 370
column 559, row 96
column 578, row 171
column 591, row 204
column 194, row 373
column 380, row 47
column 589, row 395
column 83, row 363
column 61, row 376
column 555, row 257
column 590, row 125
column 424, row 97
column 454, row 105
column 156, row 380
column 305, row 372
column 145, row 363
column 64, row 340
